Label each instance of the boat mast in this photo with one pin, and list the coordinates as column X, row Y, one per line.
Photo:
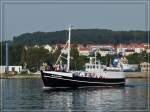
column 95, row 57
column 7, row 67
column 68, row 57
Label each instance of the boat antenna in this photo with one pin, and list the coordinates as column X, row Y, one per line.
column 68, row 57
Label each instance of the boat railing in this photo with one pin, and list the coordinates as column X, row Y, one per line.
column 85, row 74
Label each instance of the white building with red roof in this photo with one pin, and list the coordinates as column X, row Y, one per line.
column 84, row 50
column 130, row 48
column 147, row 48
column 103, row 49
column 129, row 52
column 139, row 47
column 106, row 51
column 101, row 46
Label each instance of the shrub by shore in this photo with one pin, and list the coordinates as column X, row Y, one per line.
column 14, row 76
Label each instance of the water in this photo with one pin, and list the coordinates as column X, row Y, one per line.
column 28, row 95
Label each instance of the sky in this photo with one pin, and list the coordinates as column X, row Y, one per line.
column 47, row 17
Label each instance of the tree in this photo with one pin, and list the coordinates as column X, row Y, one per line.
column 74, row 57
column 35, row 57
column 83, row 36
column 81, row 62
column 24, row 56
column 15, row 51
column 134, row 58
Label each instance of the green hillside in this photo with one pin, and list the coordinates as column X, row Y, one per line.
column 82, row 36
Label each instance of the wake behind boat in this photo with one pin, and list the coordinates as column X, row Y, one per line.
column 95, row 74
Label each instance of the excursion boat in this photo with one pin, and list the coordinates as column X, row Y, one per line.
column 95, row 73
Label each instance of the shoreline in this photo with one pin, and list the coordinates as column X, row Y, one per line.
column 20, row 76
column 137, row 75
column 38, row 76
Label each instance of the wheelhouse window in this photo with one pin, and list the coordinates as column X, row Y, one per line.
column 87, row 66
column 93, row 66
column 90, row 67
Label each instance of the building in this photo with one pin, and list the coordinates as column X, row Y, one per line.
column 102, row 46
column 145, row 66
column 106, row 51
column 84, row 51
column 121, row 48
column 3, row 69
column 36, row 46
column 129, row 52
column 48, row 47
column 147, row 49
column 139, row 48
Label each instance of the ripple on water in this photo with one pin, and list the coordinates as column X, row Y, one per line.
column 27, row 94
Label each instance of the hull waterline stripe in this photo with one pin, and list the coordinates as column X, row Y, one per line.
column 84, row 81
column 47, row 87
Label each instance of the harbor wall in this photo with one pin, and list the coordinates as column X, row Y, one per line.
column 137, row 74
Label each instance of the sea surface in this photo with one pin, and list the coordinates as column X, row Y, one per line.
column 29, row 95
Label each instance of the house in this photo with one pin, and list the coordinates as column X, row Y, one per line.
column 145, row 66
column 48, row 47
column 129, row 52
column 4, row 69
column 139, row 48
column 106, row 51
column 130, row 48
column 95, row 47
column 121, row 48
column 147, row 48
column 84, row 51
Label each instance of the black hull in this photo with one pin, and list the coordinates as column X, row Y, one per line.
column 75, row 82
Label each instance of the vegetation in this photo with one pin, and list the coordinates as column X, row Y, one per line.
column 82, row 36
column 33, row 57
column 138, row 58
column 77, row 62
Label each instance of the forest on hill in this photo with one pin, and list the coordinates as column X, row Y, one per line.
column 82, row 36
